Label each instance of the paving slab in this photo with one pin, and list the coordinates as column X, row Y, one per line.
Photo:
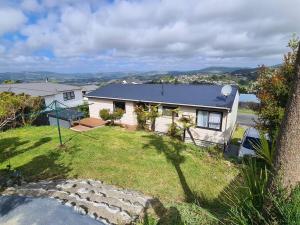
column 105, row 203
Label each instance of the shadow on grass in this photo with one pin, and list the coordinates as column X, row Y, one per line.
column 45, row 166
column 172, row 150
column 9, row 147
column 166, row 216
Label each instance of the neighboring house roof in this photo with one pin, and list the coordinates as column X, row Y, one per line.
column 37, row 89
column 178, row 94
column 67, row 114
column 89, row 88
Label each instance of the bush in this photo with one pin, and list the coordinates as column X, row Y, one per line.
column 104, row 114
column 141, row 117
column 174, row 131
column 84, row 108
column 116, row 115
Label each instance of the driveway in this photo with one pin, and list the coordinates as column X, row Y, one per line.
column 246, row 119
column 17, row 210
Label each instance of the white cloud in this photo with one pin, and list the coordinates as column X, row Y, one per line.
column 11, row 19
column 31, row 5
column 156, row 33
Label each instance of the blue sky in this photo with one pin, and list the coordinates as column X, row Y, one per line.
column 101, row 35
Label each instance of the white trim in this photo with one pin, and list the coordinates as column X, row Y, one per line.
column 170, row 103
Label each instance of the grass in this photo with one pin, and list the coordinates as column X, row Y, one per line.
column 246, row 111
column 171, row 171
column 238, row 135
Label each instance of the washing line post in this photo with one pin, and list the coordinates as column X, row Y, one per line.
column 57, row 122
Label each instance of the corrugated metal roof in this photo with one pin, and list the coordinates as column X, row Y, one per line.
column 89, row 88
column 37, row 89
column 177, row 94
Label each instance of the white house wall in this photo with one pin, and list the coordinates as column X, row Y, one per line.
column 95, row 105
column 202, row 136
column 78, row 100
column 232, row 115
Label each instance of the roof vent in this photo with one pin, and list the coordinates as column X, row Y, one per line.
column 226, row 90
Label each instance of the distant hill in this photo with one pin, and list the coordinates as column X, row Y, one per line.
column 215, row 69
column 84, row 78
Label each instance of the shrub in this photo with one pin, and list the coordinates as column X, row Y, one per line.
column 84, row 108
column 117, row 114
column 152, row 115
column 104, row 114
column 141, row 117
column 174, row 131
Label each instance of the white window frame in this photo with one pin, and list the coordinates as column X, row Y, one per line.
column 208, row 123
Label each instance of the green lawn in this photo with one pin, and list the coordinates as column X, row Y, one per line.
column 246, row 111
column 238, row 135
column 155, row 165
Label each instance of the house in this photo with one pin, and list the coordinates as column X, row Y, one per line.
column 213, row 113
column 68, row 95
column 87, row 89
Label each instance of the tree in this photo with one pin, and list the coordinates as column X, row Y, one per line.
column 10, row 104
column 29, row 108
column 174, row 130
column 152, row 114
column 141, row 116
column 11, row 81
column 287, row 160
column 84, row 108
column 187, row 123
column 272, row 88
column 20, row 106
column 144, row 113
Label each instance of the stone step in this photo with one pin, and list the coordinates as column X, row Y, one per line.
column 103, row 202
column 99, row 211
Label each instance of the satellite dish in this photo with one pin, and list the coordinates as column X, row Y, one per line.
column 226, row 90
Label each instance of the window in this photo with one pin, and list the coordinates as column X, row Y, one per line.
column 168, row 110
column 119, row 105
column 209, row 120
column 143, row 104
column 68, row 95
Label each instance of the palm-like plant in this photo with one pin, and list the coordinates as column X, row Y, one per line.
column 152, row 114
column 187, row 123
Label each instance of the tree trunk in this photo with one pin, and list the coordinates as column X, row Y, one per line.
column 153, row 124
column 191, row 135
column 287, row 161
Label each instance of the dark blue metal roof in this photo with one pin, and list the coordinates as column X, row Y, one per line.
column 178, row 94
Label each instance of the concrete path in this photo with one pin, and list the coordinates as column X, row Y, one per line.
column 105, row 203
column 18, row 210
